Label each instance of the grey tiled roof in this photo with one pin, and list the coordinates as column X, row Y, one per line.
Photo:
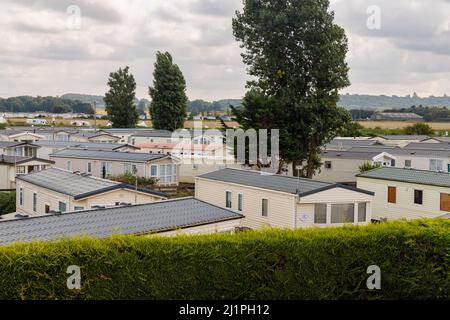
column 406, row 151
column 77, row 185
column 292, row 185
column 67, row 182
column 271, row 182
column 405, row 137
column 429, row 146
column 366, row 155
column 141, row 219
column 80, row 145
column 352, row 142
column 441, row 179
column 107, row 155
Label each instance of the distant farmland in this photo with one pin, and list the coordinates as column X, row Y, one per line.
column 401, row 124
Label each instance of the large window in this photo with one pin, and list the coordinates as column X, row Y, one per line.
column 228, row 200
column 240, row 201
column 362, row 212
column 436, row 165
column 265, row 207
column 418, row 196
column 105, row 168
column 168, row 173
column 342, row 213
column 34, row 201
column 320, row 213
column 392, row 195
column 129, row 168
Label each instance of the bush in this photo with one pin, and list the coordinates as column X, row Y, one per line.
column 272, row 264
column 130, row 178
column 419, row 129
column 366, row 166
column 7, row 202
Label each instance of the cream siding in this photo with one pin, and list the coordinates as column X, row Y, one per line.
column 52, row 199
column 405, row 207
column 281, row 205
column 218, row 227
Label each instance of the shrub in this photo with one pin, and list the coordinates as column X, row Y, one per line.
column 366, row 166
column 130, row 178
column 420, row 129
column 7, row 202
column 326, row 263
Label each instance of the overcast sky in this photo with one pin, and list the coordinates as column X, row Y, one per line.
column 44, row 51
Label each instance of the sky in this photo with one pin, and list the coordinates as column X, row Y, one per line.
column 52, row 47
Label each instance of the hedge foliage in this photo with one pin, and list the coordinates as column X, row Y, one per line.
column 271, row 264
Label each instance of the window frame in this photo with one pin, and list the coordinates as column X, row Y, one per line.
column 228, row 199
column 265, row 213
column 416, row 192
column 240, row 202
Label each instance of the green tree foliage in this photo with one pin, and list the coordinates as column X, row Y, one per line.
column 297, row 54
column 169, row 100
column 351, row 129
column 44, row 104
column 120, row 99
column 7, row 202
column 419, row 129
column 366, row 166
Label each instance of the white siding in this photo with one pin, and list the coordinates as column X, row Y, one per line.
column 405, row 207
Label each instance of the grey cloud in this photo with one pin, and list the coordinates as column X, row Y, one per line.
column 215, row 7
column 95, row 10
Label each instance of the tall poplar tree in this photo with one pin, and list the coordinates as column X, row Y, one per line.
column 296, row 55
column 169, row 100
column 120, row 99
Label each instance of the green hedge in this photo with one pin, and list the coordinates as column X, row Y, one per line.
column 271, row 264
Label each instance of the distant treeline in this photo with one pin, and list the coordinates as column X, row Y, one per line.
column 200, row 106
column 356, row 101
column 429, row 114
column 44, row 104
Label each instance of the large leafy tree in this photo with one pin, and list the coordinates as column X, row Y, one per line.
column 296, row 55
column 120, row 99
column 169, row 100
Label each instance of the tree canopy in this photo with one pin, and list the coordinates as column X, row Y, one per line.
column 120, row 99
column 296, row 55
column 44, row 104
column 169, row 100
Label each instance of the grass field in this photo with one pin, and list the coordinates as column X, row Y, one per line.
column 103, row 123
column 217, row 125
column 401, row 124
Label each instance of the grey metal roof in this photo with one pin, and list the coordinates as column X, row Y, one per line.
column 353, row 142
column 405, row 137
column 154, row 133
column 366, row 155
column 292, row 185
column 82, row 145
column 406, row 151
column 67, row 182
column 429, row 146
column 107, row 155
column 77, row 185
column 441, row 179
column 11, row 144
column 140, row 219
